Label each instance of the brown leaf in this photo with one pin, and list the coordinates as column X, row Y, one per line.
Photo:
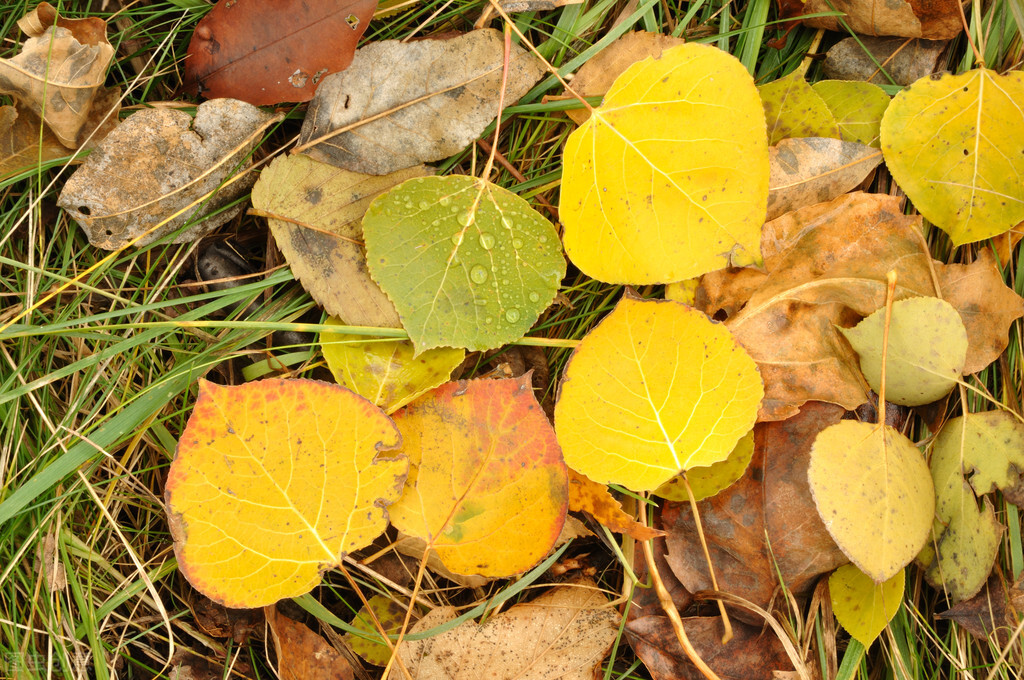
column 219, row 621
column 931, row 19
column 588, row 496
column 59, row 71
column 809, row 170
column 752, row 654
column 400, row 104
column 271, row 51
column 996, row 610
column 302, row 654
column 563, row 634
column 160, row 162
column 905, row 60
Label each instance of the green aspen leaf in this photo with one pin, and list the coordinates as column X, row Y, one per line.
column 793, row 109
column 706, row 482
column 862, row 606
column 386, row 371
column 668, row 179
column 874, row 493
column 955, row 145
column 857, row 106
column 655, row 388
column 926, row 353
column 466, row 263
column 391, row 615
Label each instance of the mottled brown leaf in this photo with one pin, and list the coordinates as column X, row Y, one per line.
column 996, row 610
column 302, row 654
column 808, row 170
column 932, row 19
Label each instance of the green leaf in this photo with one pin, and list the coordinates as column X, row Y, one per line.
column 858, row 107
column 862, row 606
column 466, row 263
column 926, row 353
column 793, row 109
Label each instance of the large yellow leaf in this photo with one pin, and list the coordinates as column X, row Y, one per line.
column 654, row 389
column 487, row 487
column 274, row 482
column 954, row 145
column 669, row 178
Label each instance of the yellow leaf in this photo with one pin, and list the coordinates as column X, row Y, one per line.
column 655, row 388
column 793, row 109
column 862, row 606
column 669, row 178
column 956, row 146
column 487, row 487
column 706, row 482
column 274, row 482
column 857, row 106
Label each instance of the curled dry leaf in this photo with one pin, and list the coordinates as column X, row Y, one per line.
column 160, row 169
column 995, row 611
column 934, row 20
column 589, row 496
column 270, row 51
column 400, row 104
column 904, row 60
column 59, row 71
column 810, row 170
column 562, row 635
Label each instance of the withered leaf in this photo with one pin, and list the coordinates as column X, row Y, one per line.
column 996, row 610
column 160, row 169
column 271, row 51
column 809, row 170
column 904, row 59
column 400, row 104
column 302, row 654
column 931, row 19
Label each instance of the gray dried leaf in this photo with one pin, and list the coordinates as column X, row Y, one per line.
column 809, row 170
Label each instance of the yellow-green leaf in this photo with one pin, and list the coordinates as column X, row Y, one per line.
column 858, row 108
column 926, row 352
column 874, row 493
column 274, row 482
column 706, row 482
column 390, row 614
column 862, row 606
column 654, row 389
column 955, row 145
column 669, row 178
column 487, row 487
column 385, row 371
column 793, row 109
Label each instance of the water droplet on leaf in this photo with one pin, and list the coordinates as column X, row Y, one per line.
column 478, row 274
column 487, row 240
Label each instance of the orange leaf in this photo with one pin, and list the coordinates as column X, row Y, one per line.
column 273, row 482
column 487, row 487
column 588, row 496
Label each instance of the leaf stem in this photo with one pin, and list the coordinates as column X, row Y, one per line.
column 890, row 291
column 727, row 635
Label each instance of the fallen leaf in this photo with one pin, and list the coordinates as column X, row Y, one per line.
column 386, row 372
column 935, row 20
column 857, row 107
column 219, row 621
column 1005, row 243
column 925, row 354
column 275, row 481
column 593, row 498
column 318, row 228
column 668, row 178
column 874, row 493
column 904, row 59
column 536, row 5
column 302, row 654
column 630, row 411
column 466, row 263
column 705, row 482
column 390, row 613
column 793, row 109
column 562, row 635
column 809, row 170
column 417, row 548
column 59, row 71
column 995, row 611
column 862, row 606
column 752, row 653
column 400, row 104
column 487, row 488
column 596, row 76
column 160, row 169
column 269, row 51
column 945, row 142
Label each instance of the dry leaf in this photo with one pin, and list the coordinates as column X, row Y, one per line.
column 414, row 546
column 996, row 610
column 589, row 496
column 905, row 60
column 160, row 162
column 935, row 19
column 408, row 103
column 302, row 654
column 809, row 170
column 59, row 71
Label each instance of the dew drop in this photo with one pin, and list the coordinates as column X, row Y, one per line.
column 445, row 201
column 486, row 240
column 534, row 297
column 465, row 219
column 424, row 205
column 488, row 320
column 512, row 315
column 543, row 238
column 478, row 274
column 457, row 238
column 517, row 243
column 506, row 222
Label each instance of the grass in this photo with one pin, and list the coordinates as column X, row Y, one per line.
column 100, row 354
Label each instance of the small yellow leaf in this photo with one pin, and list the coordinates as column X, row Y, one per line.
column 706, row 482
column 857, row 106
column 668, row 179
column 862, row 606
column 793, row 109
column 654, row 389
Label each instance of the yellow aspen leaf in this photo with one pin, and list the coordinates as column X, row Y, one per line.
column 857, row 106
column 274, row 482
column 593, row 498
column 706, row 482
column 793, row 109
column 487, row 487
column 668, row 179
column 654, row 389
column 862, row 606
column 874, row 493
column 955, row 144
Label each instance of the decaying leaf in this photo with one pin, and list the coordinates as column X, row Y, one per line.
column 400, row 104
column 487, row 487
column 160, row 169
column 563, row 634
column 904, row 59
column 705, row 482
column 668, row 178
column 59, row 71
column 271, row 51
column 793, row 109
column 390, row 613
column 995, row 611
column 934, row 20
column 952, row 144
column 858, row 108
column 810, row 170
column 862, row 606
column 275, row 481
column 595, row 499
column 302, row 654
column 318, row 228
column 636, row 406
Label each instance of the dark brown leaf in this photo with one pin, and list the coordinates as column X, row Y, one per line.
column 302, row 654
column 931, row 19
column 997, row 610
